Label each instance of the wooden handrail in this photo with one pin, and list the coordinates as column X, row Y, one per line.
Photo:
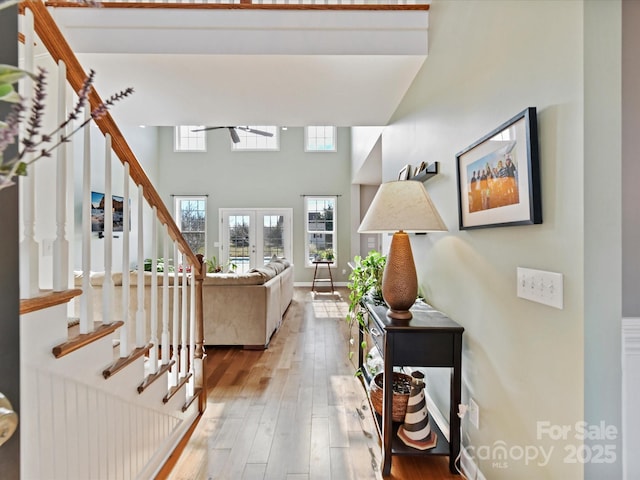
column 241, row 6
column 59, row 49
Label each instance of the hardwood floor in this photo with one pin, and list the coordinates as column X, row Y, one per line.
column 291, row 412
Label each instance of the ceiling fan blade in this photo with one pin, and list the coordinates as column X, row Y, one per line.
column 234, row 135
column 257, row 132
column 208, row 128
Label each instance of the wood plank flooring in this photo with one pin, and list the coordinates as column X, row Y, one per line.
column 290, row 412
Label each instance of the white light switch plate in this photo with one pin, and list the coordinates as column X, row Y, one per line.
column 540, row 286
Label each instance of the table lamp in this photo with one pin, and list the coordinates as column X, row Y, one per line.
column 401, row 207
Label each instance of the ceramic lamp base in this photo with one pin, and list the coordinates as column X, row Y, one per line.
column 400, row 280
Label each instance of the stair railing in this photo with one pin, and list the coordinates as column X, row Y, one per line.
column 144, row 332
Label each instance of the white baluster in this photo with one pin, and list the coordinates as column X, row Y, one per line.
column 125, row 331
column 60, row 244
column 192, row 332
column 107, row 285
column 153, row 354
column 29, row 249
column 184, row 323
column 86, row 301
column 165, row 298
column 140, row 312
column 173, row 378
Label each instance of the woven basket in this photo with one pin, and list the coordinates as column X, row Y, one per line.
column 399, row 404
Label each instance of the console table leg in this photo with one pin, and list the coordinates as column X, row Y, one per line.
column 386, row 464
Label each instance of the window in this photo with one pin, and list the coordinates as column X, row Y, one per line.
column 320, row 139
column 191, row 218
column 187, row 140
column 321, row 229
column 254, row 141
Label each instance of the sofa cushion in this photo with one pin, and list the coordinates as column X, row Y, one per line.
column 267, row 271
column 278, row 267
column 251, row 278
column 282, row 260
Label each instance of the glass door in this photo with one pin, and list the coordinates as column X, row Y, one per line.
column 238, row 241
column 251, row 236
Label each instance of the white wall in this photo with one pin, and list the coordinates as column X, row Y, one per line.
column 262, row 179
column 523, row 362
column 143, row 142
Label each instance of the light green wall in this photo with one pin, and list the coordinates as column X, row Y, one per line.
column 603, row 224
column 262, row 179
column 523, row 362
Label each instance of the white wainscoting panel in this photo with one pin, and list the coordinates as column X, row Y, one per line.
column 630, row 395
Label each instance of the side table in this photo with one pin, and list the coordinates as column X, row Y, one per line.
column 429, row 339
column 316, row 280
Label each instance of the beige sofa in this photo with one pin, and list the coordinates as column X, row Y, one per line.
column 239, row 309
column 246, row 309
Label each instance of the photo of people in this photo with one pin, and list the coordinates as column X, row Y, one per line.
column 493, row 180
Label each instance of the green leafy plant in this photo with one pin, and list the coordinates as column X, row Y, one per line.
column 364, row 281
column 160, row 265
column 214, row 267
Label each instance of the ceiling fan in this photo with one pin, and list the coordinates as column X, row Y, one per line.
column 234, row 135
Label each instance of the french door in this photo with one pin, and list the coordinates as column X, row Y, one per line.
column 249, row 237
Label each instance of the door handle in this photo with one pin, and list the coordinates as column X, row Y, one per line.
column 8, row 419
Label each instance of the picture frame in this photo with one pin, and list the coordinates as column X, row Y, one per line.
column 499, row 176
column 97, row 212
column 404, row 173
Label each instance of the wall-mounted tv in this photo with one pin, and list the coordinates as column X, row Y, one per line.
column 97, row 212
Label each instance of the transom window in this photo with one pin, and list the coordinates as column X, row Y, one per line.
column 191, row 218
column 321, row 229
column 320, row 139
column 186, row 139
column 256, row 142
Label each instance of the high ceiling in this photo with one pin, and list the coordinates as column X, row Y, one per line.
column 214, row 67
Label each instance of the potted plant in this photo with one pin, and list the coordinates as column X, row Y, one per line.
column 364, row 281
column 214, row 267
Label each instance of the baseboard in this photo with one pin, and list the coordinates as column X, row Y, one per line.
column 469, row 467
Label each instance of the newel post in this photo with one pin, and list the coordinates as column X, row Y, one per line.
column 200, row 355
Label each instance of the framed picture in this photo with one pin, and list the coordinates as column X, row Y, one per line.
column 404, row 173
column 499, row 176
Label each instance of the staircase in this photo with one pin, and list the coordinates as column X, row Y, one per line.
column 106, row 393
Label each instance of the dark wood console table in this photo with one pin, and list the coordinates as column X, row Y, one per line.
column 429, row 339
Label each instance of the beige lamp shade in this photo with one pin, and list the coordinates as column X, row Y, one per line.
column 402, row 205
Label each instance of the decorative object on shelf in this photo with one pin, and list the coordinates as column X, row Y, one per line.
column 499, row 176
column 415, row 431
column 401, row 207
column 404, row 173
column 401, row 392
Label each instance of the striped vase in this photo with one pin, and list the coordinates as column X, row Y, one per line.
column 416, row 431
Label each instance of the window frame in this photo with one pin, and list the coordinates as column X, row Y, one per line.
column 243, row 134
column 307, row 137
column 179, row 139
column 177, row 210
column 307, row 199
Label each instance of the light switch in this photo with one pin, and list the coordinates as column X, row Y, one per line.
column 540, row 286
